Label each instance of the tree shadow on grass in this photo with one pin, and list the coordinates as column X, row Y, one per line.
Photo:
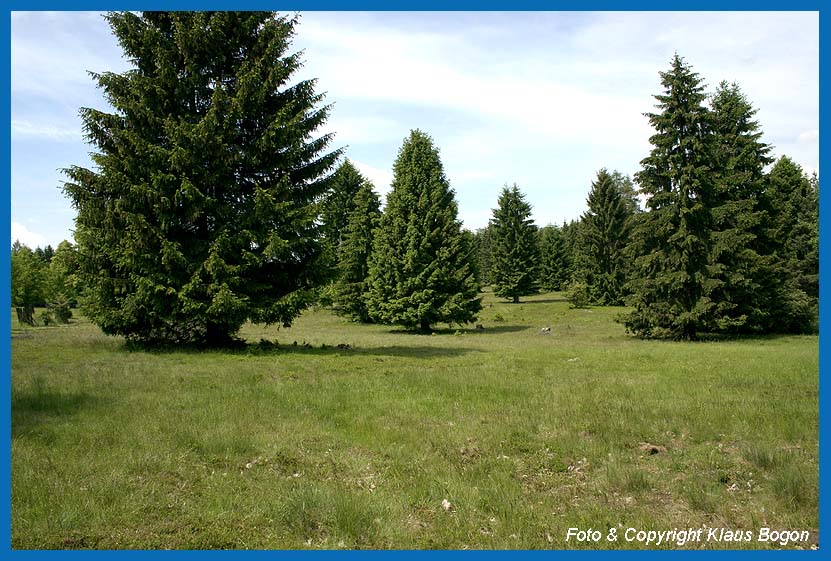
column 541, row 301
column 31, row 410
column 495, row 329
column 451, row 331
column 275, row 348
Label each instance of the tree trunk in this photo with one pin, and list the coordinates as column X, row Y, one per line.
column 25, row 315
column 425, row 326
column 217, row 336
column 516, row 299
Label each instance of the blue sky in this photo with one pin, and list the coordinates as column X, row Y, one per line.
column 542, row 100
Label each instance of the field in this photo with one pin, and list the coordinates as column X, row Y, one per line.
column 493, row 439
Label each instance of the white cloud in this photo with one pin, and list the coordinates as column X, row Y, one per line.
column 811, row 136
column 25, row 236
column 22, row 127
column 380, row 178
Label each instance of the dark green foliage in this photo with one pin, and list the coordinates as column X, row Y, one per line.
column 45, row 254
column 673, row 277
column 421, row 268
column 571, row 236
column 746, row 282
column 794, row 210
column 628, row 193
column 339, row 203
column 515, row 246
column 483, row 242
column 203, row 209
column 555, row 262
column 354, row 251
column 604, row 237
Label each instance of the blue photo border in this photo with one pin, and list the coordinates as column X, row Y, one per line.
column 425, row 5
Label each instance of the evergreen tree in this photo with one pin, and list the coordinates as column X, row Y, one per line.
column 483, row 242
column 515, row 246
column 745, row 282
column 794, row 210
column 571, row 238
column 203, row 209
column 340, row 201
column 422, row 266
column 672, row 277
column 605, row 235
column 354, row 252
column 555, row 267
column 45, row 254
column 628, row 193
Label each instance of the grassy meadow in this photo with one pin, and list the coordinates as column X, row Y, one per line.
column 501, row 438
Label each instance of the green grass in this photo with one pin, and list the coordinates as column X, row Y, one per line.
column 524, row 434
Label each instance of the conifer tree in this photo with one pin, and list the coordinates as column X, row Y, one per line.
column 483, row 243
column 571, row 238
column 339, row 202
column 421, row 268
column 354, row 251
column 626, row 187
column 515, row 246
column 672, row 277
column 794, row 210
column 555, row 267
column 745, row 282
column 202, row 210
column 605, row 235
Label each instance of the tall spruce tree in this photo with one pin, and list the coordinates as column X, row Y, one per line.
column 554, row 269
column 515, row 246
column 673, row 277
column 605, row 236
column 746, row 283
column 626, row 186
column 794, row 211
column 354, row 251
column 340, row 201
column 202, row 211
column 483, row 243
column 421, row 268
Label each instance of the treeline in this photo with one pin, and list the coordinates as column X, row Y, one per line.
column 214, row 202
column 47, row 278
column 724, row 244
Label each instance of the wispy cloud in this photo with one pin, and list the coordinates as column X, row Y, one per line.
column 27, row 237
column 25, row 128
column 381, row 179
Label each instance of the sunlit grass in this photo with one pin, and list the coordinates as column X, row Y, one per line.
column 523, row 434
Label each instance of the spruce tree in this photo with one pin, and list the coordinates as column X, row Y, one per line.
column 605, row 235
column 554, row 269
column 483, row 243
column 340, row 202
column 571, row 238
column 515, row 246
column 745, row 283
column 673, row 238
column 202, row 210
column 626, row 187
column 421, row 267
column 354, row 251
column 793, row 201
